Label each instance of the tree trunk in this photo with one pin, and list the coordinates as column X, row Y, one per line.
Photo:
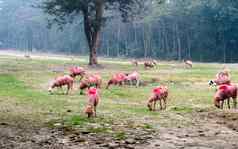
column 179, row 43
column 144, row 41
column 92, row 30
column 118, row 39
column 189, row 44
column 93, row 50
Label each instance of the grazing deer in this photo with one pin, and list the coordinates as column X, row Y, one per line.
column 77, row 71
column 90, row 80
column 61, row 81
column 134, row 76
column 222, row 78
column 225, row 92
column 160, row 94
column 117, row 79
column 93, row 100
column 188, row 63
column 149, row 64
column 135, row 63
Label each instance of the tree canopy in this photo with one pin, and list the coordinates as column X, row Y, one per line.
column 201, row 30
column 93, row 13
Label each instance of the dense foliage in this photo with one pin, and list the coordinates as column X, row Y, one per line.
column 94, row 14
column 203, row 30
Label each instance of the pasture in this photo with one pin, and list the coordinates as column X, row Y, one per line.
column 30, row 116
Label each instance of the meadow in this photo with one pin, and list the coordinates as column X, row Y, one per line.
column 25, row 101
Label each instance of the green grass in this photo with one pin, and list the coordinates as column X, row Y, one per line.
column 120, row 136
column 24, row 83
column 11, row 87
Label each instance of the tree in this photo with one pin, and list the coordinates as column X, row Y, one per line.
column 93, row 13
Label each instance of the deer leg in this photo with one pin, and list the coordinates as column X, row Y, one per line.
column 149, row 106
column 154, row 106
column 165, row 103
column 222, row 103
column 67, row 91
column 228, row 103
column 131, row 82
column 61, row 90
column 97, row 86
column 234, row 103
column 161, row 105
column 95, row 111
column 81, row 92
column 137, row 83
column 71, row 86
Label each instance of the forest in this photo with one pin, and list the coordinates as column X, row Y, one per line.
column 200, row 30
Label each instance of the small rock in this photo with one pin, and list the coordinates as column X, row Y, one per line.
column 200, row 131
column 202, row 135
column 4, row 124
column 201, row 110
column 130, row 147
column 179, row 127
column 98, row 142
column 64, row 141
column 112, row 145
column 130, row 141
column 104, row 145
column 80, row 140
column 138, row 138
column 217, row 133
column 149, row 137
column 57, row 124
column 157, row 144
column 186, row 135
column 123, row 142
column 85, row 132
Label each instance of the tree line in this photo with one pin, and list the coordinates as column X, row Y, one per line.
column 200, row 30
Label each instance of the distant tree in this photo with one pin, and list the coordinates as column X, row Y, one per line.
column 93, row 13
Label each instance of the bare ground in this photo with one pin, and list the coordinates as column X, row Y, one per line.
column 209, row 130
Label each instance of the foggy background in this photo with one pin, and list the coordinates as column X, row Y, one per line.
column 201, row 30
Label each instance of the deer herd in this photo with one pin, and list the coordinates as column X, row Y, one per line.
column 92, row 83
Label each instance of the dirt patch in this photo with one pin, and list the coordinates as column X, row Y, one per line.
column 13, row 137
column 228, row 118
column 210, row 130
column 23, row 136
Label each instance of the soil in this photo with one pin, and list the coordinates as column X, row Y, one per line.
column 210, row 130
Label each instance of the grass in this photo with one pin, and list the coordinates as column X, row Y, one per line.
column 24, row 83
column 120, row 136
column 11, row 87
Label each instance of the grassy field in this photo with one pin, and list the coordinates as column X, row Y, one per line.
column 24, row 97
